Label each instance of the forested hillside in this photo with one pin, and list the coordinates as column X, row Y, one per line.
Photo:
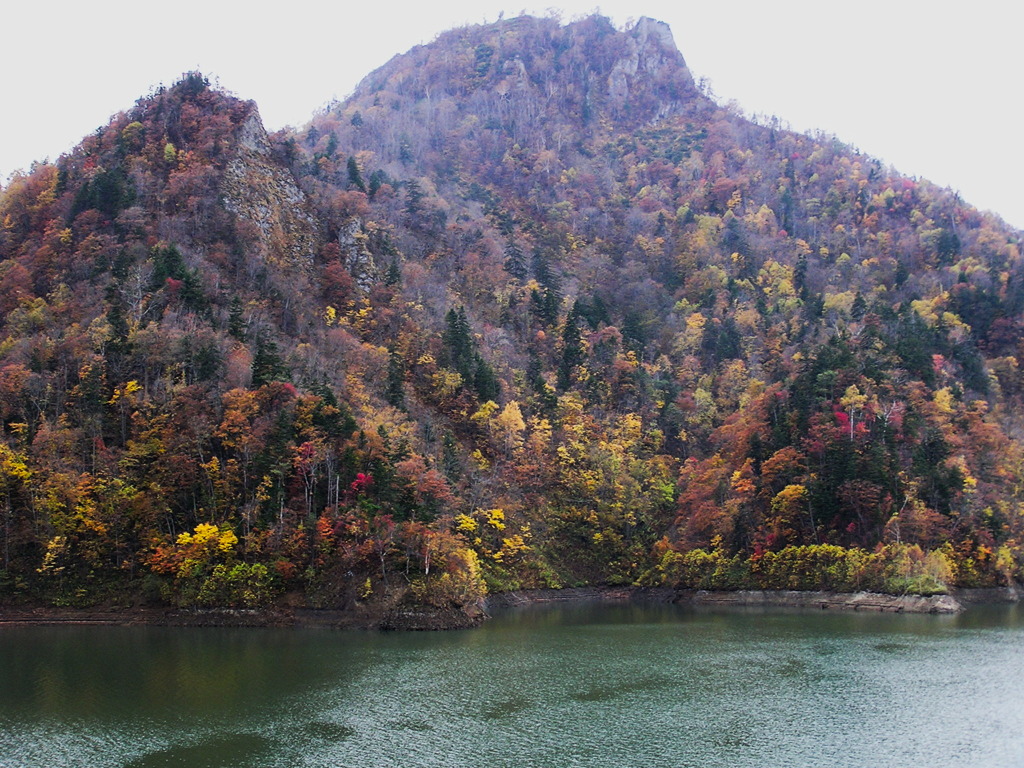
column 528, row 309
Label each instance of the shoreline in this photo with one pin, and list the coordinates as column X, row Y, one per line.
column 415, row 619
column 411, row 619
column 956, row 601
column 831, row 601
column 761, row 599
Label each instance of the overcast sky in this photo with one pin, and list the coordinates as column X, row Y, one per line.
column 930, row 87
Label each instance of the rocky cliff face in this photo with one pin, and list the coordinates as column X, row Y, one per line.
column 651, row 58
column 259, row 190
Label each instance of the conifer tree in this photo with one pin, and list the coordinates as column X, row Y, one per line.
column 485, row 382
column 266, row 362
column 355, row 177
column 393, row 275
column 394, row 388
column 236, row 322
column 515, row 262
column 572, row 349
column 458, row 343
column 413, row 201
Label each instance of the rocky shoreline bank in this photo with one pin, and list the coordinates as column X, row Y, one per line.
column 829, row 601
column 411, row 619
column 414, row 618
column 835, row 601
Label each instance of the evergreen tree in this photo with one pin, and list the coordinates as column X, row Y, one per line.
column 800, row 276
column 393, row 275
column 859, row 307
column 167, row 263
column 515, row 262
column 947, row 246
column 450, row 463
column 266, row 362
column 902, row 273
column 634, row 335
column 594, row 312
column 544, row 306
column 544, row 272
column 547, row 400
column 572, row 347
column 460, row 354
column 506, row 223
column 485, row 382
column 108, row 192
column 116, row 318
column 414, row 201
column 405, row 151
column 394, row 387
column 236, row 322
column 355, row 177
column 376, row 179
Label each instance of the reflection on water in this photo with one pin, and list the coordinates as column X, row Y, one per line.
column 566, row 685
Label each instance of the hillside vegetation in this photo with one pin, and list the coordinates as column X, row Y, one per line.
column 528, row 309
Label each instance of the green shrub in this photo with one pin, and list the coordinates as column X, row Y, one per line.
column 243, row 585
column 895, row 569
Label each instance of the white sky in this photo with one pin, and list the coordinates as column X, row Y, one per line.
column 932, row 87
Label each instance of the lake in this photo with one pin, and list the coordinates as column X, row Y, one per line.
column 578, row 685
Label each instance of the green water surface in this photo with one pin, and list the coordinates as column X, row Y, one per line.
column 583, row 685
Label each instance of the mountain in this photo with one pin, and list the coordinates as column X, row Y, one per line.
column 528, row 309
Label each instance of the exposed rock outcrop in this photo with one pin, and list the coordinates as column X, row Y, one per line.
column 257, row 189
column 843, row 601
column 356, row 255
column 653, row 60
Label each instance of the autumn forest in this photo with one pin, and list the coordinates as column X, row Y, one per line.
column 529, row 309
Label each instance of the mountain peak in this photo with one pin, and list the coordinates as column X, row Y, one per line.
column 586, row 68
column 527, row 82
column 652, row 60
column 647, row 27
